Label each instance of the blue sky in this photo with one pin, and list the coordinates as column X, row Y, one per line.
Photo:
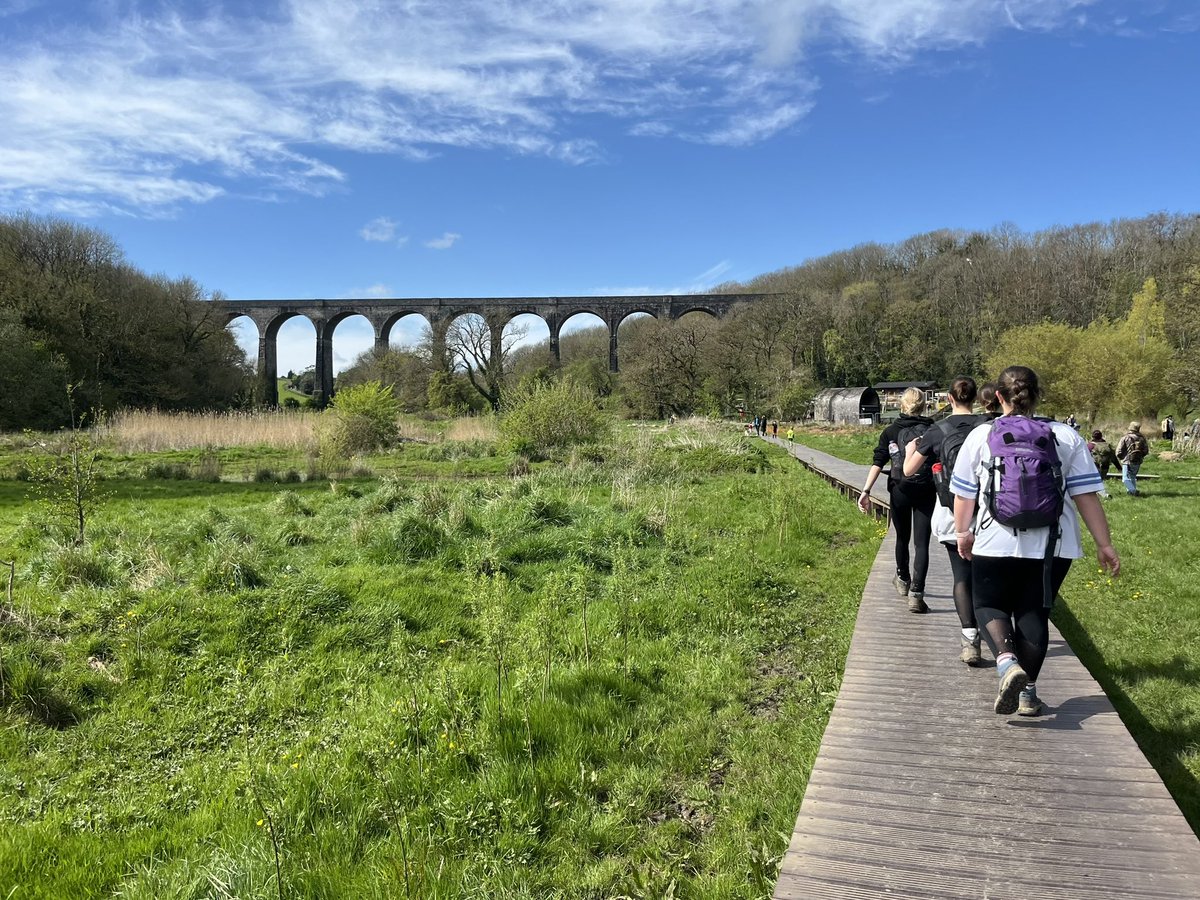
column 344, row 148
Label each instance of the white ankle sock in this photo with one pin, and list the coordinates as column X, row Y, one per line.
column 970, row 634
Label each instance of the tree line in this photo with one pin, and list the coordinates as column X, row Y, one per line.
column 77, row 318
column 1110, row 313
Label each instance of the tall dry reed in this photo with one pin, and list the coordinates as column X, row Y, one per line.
column 148, row 431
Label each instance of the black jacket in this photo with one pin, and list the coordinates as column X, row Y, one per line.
column 882, row 456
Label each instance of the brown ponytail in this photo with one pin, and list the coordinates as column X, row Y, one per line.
column 1019, row 386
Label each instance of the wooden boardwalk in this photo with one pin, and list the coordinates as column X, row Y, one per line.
column 920, row 791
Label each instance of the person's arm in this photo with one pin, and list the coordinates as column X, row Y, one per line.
column 913, row 458
column 1093, row 517
column 964, row 513
column 864, row 499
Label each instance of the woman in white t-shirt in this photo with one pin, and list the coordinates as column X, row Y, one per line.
column 1007, row 565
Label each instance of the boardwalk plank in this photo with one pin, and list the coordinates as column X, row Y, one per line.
column 920, row 791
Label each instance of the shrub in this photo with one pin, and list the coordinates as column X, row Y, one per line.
column 360, row 419
column 542, row 417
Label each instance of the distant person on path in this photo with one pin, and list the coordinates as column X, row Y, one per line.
column 774, row 428
column 791, row 434
column 1072, row 422
column 1131, row 450
column 1103, row 454
column 941, row 445
column 1016, row 571
column 912, row 499
column 1168, row 428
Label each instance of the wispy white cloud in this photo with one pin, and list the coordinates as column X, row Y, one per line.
column 154, row 108
column 375, row 291
column 697, row 284
column 445, row 242
column 381, row 229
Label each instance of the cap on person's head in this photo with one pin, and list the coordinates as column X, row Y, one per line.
column 1097, row 436
column 1135, row 426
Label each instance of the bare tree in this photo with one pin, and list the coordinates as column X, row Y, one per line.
column 483, row 351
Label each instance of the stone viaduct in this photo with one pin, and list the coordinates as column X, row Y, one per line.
column 439, row 312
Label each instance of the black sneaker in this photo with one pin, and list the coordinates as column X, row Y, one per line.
column 916, row 602
column 900, row 585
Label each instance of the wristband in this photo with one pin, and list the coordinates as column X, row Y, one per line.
column 959, row 535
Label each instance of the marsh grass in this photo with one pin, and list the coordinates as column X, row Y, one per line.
column 589, row 728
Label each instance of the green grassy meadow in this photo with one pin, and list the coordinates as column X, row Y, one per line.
column 1138, row 634
column 604, row 678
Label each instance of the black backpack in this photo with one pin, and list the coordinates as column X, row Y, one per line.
column 954, row 434
column 923, row 475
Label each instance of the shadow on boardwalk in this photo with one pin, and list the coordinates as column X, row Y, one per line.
column 920, row 791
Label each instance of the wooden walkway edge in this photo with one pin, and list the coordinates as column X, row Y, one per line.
column 920, row 791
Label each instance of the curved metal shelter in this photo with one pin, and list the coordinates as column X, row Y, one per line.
column 846, row 406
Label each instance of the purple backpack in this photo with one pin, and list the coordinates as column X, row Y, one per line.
column 1025, row 483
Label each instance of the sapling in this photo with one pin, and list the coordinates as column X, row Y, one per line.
column 65, row 477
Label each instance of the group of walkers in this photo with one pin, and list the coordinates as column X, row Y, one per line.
column 762, row 427
column 1003, row 492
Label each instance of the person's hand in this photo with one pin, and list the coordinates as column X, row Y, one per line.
column 966, row 543
column 864, row 501
column 1109, row 561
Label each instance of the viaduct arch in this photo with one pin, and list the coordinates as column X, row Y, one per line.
column 439, row 312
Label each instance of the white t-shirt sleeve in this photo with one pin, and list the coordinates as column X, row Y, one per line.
column 1079, row 470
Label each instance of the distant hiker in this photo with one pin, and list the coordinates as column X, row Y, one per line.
column 1071, row 422
column 940, row 445
column 1102, row 452
column 912, row 498
column 1018, row 483
column 774, row 428
column 791, row 434
column 1131, row 450
column 1168, row 428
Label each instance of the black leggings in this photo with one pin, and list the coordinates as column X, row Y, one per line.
column 1010, row 606
column 912, row 514
column 964, row 605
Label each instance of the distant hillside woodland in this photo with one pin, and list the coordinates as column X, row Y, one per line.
column 74, row 312
column 1109, row 314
